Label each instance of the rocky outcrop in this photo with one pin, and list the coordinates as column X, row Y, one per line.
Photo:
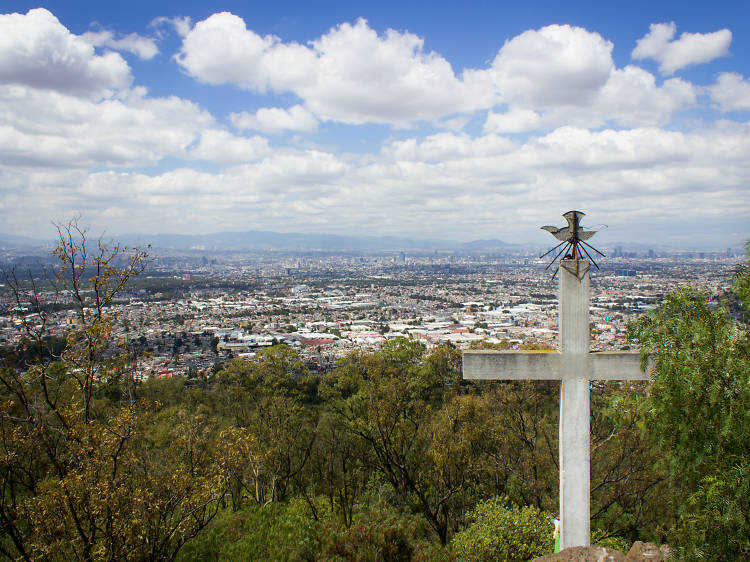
column 584, row 554
column 640, row 552
column 647, row 552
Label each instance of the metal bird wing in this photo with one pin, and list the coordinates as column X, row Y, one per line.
column 559, row 233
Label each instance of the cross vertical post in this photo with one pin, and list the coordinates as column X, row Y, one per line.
column 573, row 446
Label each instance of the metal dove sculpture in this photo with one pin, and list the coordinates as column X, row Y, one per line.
column 573, row 239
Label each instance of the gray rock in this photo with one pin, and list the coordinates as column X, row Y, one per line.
column 584, row 554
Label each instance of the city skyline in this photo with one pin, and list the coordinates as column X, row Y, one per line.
column 468, row 122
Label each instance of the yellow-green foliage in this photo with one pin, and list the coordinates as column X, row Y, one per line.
column 500, row 531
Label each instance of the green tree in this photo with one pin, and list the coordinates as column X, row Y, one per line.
column 265, row 400
column 698, row 415
column 627, row 485
column 388, row 401
column 519, row 448
column 339, row 467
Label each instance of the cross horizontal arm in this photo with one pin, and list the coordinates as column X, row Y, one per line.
column 552, row 365
column 617, row 366
column 512, row 365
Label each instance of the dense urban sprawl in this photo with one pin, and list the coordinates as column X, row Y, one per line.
column 186, row 315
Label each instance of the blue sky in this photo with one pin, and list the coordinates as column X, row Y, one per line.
column 439, row 120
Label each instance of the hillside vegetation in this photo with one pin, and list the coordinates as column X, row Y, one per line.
column 390, row 456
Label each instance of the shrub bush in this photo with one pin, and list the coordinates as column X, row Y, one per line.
column 499, row 530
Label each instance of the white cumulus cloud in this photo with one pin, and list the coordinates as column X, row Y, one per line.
column 221, row 50
column 37, row 50
column 555, row 65
column 220, row 146
column 731, row 92
column 690, row 48
column 143, row 47
column 646, row 183
column 274, row 120
column 180, row 24
column 365, row 77
column 515, row 120
column 630, row 97
column 545, row 78
column 562, row 75
column 51, row 129
column 76, row 138
column 351, row 74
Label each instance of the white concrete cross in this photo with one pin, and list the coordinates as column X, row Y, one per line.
column 574, row 367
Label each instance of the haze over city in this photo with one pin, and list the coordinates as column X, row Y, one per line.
column 459, row 121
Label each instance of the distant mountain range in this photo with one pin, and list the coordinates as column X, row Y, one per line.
column 491, row 244
column 261, row 240
column 16, row 242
